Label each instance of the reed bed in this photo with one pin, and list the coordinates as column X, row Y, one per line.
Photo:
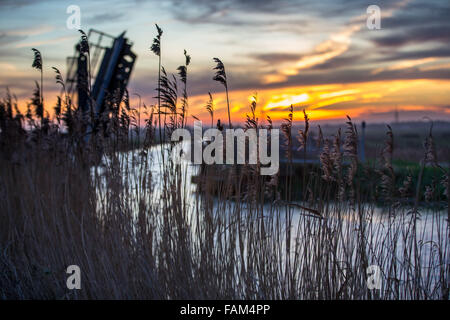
column 120, row 208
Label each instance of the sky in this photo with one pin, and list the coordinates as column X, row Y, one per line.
column 316, row 55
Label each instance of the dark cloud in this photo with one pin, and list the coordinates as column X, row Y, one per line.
column 416, row 35
column 13, row 52
column 200, row 10
column 225, row 12
column 337, row 62
column 438, row 52
column 360, row 75
column 419, row 13
column 275, row 58
column 348, row 60
column 6, row 4
column 104, row 17
column 417, row 22
column 6, row 39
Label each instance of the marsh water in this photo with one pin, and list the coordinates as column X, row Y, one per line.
column 383, row 232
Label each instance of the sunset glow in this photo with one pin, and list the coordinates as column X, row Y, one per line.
column 362, row 100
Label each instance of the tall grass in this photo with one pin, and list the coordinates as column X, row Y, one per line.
column 128, row 217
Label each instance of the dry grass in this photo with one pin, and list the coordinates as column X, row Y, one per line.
column 133, row 226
